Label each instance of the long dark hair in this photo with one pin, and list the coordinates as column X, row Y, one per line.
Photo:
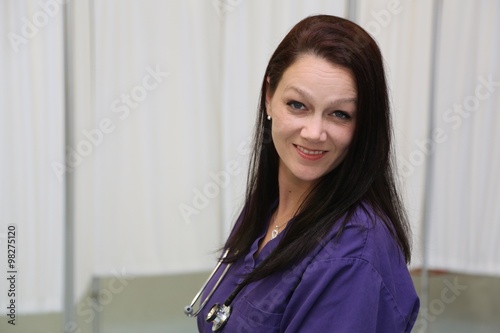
column 365, row 174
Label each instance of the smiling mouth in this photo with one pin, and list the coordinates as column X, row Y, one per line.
column 310, row 154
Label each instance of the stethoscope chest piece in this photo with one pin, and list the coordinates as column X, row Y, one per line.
column 218, row 316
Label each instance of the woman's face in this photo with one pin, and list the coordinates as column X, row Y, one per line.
column 313, row 114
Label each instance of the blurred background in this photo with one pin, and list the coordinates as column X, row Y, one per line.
column 125, row 133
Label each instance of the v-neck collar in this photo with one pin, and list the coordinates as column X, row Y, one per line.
column 251, row 259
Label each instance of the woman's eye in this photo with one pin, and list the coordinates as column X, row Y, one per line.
column 296, row 105
column 341, row 115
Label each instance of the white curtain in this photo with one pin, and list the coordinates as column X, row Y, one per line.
column 165, row 101
column 403, row 30
column 32, row 136
column 464, row 228
column 158, row 68
column 462, row 218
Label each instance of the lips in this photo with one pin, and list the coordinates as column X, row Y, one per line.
column 310, row 154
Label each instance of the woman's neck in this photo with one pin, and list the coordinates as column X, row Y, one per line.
column 292, row 193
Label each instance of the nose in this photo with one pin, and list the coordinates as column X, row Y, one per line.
column 313, row 129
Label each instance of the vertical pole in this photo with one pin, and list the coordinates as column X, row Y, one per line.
column 96, row 286
column 96, row 281
column 424, row 282
column 352, row 10
column 69, row 315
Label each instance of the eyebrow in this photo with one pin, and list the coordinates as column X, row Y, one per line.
column 306, row 95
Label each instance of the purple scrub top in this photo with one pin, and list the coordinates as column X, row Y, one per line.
column 358, row 283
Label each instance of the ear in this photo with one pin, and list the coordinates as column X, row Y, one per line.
column 268, row 95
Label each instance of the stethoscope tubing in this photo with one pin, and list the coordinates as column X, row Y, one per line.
column 188, row 309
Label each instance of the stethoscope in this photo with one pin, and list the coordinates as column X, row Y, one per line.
column 218, row 314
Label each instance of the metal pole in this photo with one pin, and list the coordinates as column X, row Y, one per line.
column 424, row 282
column 96, row 281
column 96, row 287
column 69, row 315
column 352, row 10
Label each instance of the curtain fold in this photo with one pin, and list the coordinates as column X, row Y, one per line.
column 464, row 229
column 157, row 77
column 32, row 138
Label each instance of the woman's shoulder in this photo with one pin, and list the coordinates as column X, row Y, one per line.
column 366, row 238
column 366, row 249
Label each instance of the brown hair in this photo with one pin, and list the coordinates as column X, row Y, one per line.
column 365, row 174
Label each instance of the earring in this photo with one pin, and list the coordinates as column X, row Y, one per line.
column 268, row 117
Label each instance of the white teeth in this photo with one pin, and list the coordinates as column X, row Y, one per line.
column 310, row 152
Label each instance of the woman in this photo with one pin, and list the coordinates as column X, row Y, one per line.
column 321, row 244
